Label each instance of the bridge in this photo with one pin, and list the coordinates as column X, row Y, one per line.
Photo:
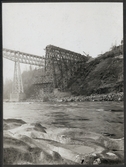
column 59, row 66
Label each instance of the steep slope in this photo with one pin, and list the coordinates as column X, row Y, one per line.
column 104, row 74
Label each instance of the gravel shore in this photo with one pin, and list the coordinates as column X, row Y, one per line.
column 97, row 97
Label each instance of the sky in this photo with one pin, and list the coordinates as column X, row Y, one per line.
column 89, row 27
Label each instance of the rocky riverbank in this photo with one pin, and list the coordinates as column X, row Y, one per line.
column 26, row 143
column 97, row 97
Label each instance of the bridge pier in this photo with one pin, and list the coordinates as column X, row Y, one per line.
column 17, row 87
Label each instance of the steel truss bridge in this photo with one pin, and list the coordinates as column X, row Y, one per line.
column 59, row 66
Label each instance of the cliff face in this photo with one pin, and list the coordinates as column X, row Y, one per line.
column 103, row 74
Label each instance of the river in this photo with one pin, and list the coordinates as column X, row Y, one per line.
column 106, row 118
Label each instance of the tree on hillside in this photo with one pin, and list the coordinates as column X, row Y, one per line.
column 113, row 47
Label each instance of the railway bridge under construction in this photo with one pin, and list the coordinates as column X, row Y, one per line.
column 58, row 64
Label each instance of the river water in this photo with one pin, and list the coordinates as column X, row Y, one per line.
column 106, row 118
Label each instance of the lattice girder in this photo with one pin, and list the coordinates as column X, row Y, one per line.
column 22, row 57
column 17, row 86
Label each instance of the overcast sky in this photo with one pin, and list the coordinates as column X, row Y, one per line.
column 88, row 27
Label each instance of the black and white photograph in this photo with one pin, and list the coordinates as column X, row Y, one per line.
column 63, row 83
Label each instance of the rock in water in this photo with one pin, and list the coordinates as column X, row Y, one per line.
column 112, row 144
column 39, row 127
column 12, row 123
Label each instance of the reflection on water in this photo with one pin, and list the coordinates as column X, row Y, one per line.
column 100, row 117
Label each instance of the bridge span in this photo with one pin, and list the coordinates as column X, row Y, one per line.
column 59, row 66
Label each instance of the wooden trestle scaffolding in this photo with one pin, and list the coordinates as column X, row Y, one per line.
column 59, row 66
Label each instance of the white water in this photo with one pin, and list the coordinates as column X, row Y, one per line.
column 98, row 117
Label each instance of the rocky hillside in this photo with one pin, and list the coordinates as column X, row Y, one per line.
column 101, row 75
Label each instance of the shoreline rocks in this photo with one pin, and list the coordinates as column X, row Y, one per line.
column 36, row 144
column 98, row 97
column 94, row 97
